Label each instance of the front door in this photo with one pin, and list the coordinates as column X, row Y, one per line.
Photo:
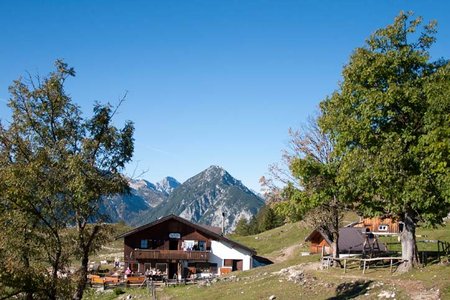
column 237, row 265
column 173, row 269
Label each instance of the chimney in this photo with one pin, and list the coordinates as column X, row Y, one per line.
column 223, row 223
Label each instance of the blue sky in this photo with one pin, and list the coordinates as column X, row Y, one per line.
column 209, row 82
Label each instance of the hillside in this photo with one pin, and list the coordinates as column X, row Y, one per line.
column 299, row 277
column 293, row 276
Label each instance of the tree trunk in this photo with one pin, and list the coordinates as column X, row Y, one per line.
column 82, row 277
column 335, row 233
column 52, row 291
column 335, row 249
column 409, row 247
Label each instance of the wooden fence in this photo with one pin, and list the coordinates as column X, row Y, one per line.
column 363, row 262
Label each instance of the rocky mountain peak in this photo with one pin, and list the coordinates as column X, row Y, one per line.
column 201, row 199
column 204, row 197
column 167, row 185
column 139, row 184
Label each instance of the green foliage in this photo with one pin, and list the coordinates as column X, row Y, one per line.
column 242, row 227
column 390, row 123
column 316, row 196
column 266, row 219
column 379, row 118
column 291, row 209
column 436, row 142
column 118, row 291
column 55, row 167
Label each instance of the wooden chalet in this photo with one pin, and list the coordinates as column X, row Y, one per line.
column 177, row 248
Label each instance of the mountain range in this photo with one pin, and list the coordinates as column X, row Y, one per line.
column 211, row 197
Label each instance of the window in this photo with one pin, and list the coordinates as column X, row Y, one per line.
column 161, row 268
column 201, row 245
column 144, row 244
column 134, row 267
column 188, row 245
column 202, row 267
column 235, row 264
column 213, row 268
column 383, row 227
column 147, row 266
column 228, row 262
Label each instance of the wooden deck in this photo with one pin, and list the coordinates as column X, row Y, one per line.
column 172, row 254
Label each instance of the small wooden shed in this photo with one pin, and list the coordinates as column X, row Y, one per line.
column 352, row 240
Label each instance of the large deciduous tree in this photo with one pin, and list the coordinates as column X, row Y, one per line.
column 315, row 167
column 55, row 168
column 383, row 121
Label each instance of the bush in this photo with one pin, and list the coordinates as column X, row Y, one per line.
column 118, row 291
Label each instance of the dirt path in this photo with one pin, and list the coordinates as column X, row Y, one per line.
column 286, row 253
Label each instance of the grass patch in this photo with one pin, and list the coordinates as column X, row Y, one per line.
column 423, row 234
column 113, row 294
column 272, row 241
column 258, row 283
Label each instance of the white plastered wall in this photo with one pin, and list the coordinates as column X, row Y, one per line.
column 221, row 251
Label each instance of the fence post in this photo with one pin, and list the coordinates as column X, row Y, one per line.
column 439, row 253
column 364, row 266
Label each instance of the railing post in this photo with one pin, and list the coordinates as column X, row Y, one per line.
column 364, row 267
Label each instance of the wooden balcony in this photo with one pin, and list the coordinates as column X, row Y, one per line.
column 171, row 254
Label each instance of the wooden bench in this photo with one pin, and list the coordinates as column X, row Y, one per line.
column 97, row 280
column 111, row 280
column 135, row 280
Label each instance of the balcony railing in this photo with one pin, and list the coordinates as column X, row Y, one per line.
column 171, row 254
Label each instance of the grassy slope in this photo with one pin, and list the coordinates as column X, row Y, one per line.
column 271, row 242
column 261, row 283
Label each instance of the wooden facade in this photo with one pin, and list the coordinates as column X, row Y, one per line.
column 318, row 243
column 380, row 225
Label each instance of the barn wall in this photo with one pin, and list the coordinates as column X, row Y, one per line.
column 374, row 224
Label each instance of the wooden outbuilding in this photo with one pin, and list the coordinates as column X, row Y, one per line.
column 380, row 225
column 352, row 240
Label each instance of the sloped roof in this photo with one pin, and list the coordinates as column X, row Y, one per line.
column 351, row 239
column 214, row 229
column 262, row 260
column 209, row 230
column 317, row 232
